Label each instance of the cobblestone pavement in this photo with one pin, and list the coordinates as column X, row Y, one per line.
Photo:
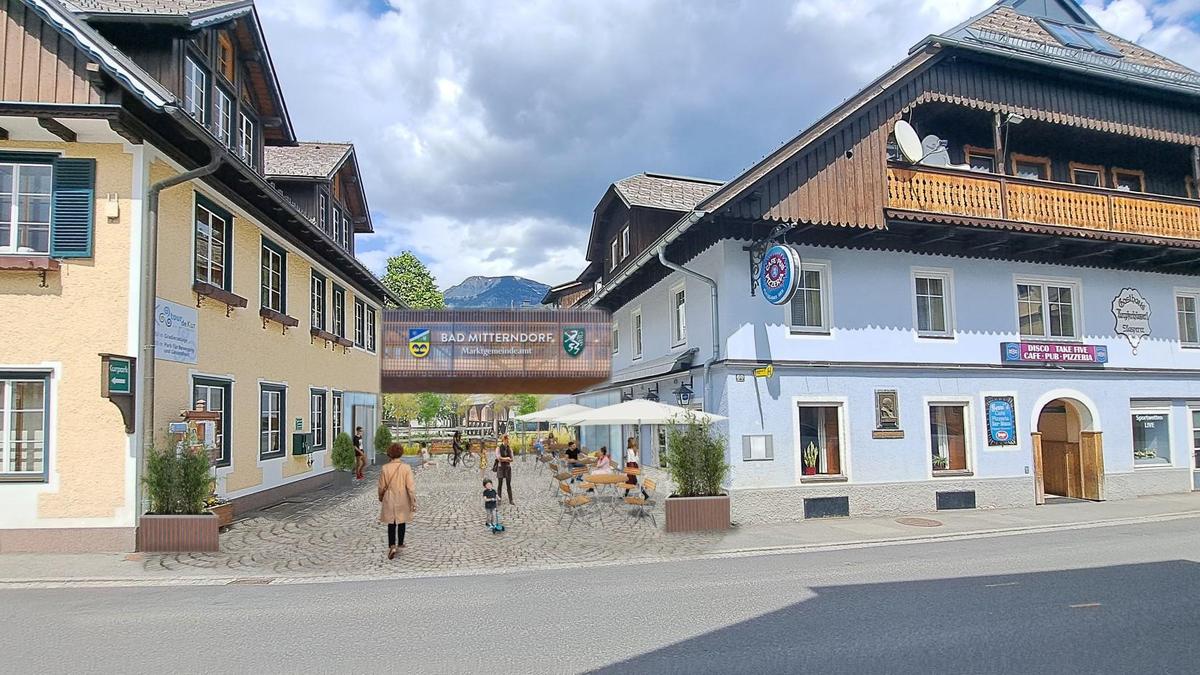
column 336, row 532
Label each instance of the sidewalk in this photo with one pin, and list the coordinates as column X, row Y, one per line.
column 334, row 536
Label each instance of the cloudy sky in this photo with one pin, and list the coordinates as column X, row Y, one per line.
column 489, row 129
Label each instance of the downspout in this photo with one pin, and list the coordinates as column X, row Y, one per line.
column 149, row 289
column 716, row 322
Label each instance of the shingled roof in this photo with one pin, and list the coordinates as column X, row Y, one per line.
column 180, row 8
column 1021, row 28
column 305, row 160
column 662, row 191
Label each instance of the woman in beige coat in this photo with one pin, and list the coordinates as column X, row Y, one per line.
column 397, row 497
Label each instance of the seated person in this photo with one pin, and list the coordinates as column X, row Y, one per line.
column 603, row 462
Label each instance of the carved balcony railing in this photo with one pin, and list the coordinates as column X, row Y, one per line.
column 993, row 197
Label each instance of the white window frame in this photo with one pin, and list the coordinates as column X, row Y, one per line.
column 226, row 386
column 637, row 333
column 15, row 224
column 1194, row 295
column 279, row 394
column 338, row 225
column 317, row 419
column 679, row 335
column 7, row 444
column 323, row 211
column 317, row 300
column 223, row 116
column 206, row 256
column 968, row 433
column 247, row 130
column 825, row 269
column 612, row 254
column 625, row 243
column 616, row 337
column 195, row 90
column 370, row 328
column 1076, row 287
column 347, row 230
column 946, row 276
column 337, row 412
column 360, row 323
column 269, row 255
column 842, row 403
column 1153, row 408
column 339, row 311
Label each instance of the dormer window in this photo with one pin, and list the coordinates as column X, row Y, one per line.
column 323, row 212
column 195, row 90
column 223, row 117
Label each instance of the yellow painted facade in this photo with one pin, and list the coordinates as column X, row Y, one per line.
column 238, row 347
column 83, row 311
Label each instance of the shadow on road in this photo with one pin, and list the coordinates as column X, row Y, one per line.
column 1126, row 619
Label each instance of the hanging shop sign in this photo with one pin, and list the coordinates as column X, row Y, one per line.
column 496, row 350
column 1052, row 352
column 1132, row 314
column 176, row 336
column 779, row 274
column 1001, row 420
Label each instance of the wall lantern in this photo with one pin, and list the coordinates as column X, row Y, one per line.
column 683, row 394
column 652, row 394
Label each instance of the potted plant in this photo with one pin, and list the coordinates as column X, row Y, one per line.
column 220, row 508
column 342, row 458
column 940, row 463
column 810, row 460
column 383, row 441
column 698, row 468
column 178, row 484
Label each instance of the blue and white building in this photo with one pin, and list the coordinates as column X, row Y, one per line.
column 1006, row 320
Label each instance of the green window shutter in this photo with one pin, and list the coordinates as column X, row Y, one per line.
column 73, row 208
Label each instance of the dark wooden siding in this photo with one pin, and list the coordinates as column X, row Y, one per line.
column 302, row 194
column 156, row 50
column 40, row 65
column 839, row 179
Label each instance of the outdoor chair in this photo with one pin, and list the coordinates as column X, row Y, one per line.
column 560, row 477
column 573, row 504
column 640, row 504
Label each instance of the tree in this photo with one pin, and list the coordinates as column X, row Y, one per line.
column 456, row 406
column 410, row 280
column 527, row 403
column 430, row 408
column 400, row 407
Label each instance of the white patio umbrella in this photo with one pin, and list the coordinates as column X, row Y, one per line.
column 638, row 411
column 554, row 414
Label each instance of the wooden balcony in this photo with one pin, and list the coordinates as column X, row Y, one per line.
column 992, row 197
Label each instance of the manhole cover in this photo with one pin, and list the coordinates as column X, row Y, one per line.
column 919, row 522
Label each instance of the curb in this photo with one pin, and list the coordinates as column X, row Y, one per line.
column 744, row 552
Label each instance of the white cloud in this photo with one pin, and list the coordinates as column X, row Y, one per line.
column 487, row 131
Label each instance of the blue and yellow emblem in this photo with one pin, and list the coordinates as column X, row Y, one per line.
column 418, row 342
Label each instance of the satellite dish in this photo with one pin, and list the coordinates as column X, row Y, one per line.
column 908, row 142
column 933, row 151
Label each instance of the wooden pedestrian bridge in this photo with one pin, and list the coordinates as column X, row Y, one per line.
column 467, row 351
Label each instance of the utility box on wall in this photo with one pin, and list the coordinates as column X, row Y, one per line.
column 301, row 443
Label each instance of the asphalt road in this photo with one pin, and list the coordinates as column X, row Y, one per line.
column 1105, row 600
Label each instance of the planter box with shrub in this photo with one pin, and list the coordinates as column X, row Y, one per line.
column 178, row 533
column 697, row 465
column 179, row 483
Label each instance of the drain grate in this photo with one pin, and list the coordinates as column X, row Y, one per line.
column 919, row 522
column 251, row 581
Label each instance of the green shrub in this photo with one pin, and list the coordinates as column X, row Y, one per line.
column 178, row 482
column 696, row 459
column 343, row 452
column 383, row 439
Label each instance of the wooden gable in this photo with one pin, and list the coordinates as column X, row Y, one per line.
column 40, row 64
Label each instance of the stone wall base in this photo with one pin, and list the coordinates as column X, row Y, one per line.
column 69, row 540
column 275, row 495
column 1146, row 482
column 779, row 505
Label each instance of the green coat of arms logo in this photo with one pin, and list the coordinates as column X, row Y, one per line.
column 573, row 341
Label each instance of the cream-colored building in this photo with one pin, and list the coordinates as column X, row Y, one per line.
column 235, row 284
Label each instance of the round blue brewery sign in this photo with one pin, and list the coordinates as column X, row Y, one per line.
column 779, row 274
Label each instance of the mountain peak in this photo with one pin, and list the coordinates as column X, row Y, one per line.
column 496, row 292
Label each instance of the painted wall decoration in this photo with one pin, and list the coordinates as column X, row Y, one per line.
column 779, row 274
column 1001, row 420
column 176, row 336
column 1132, row 314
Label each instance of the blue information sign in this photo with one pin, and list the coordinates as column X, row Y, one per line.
column 779, row 274
column 1001, row 420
